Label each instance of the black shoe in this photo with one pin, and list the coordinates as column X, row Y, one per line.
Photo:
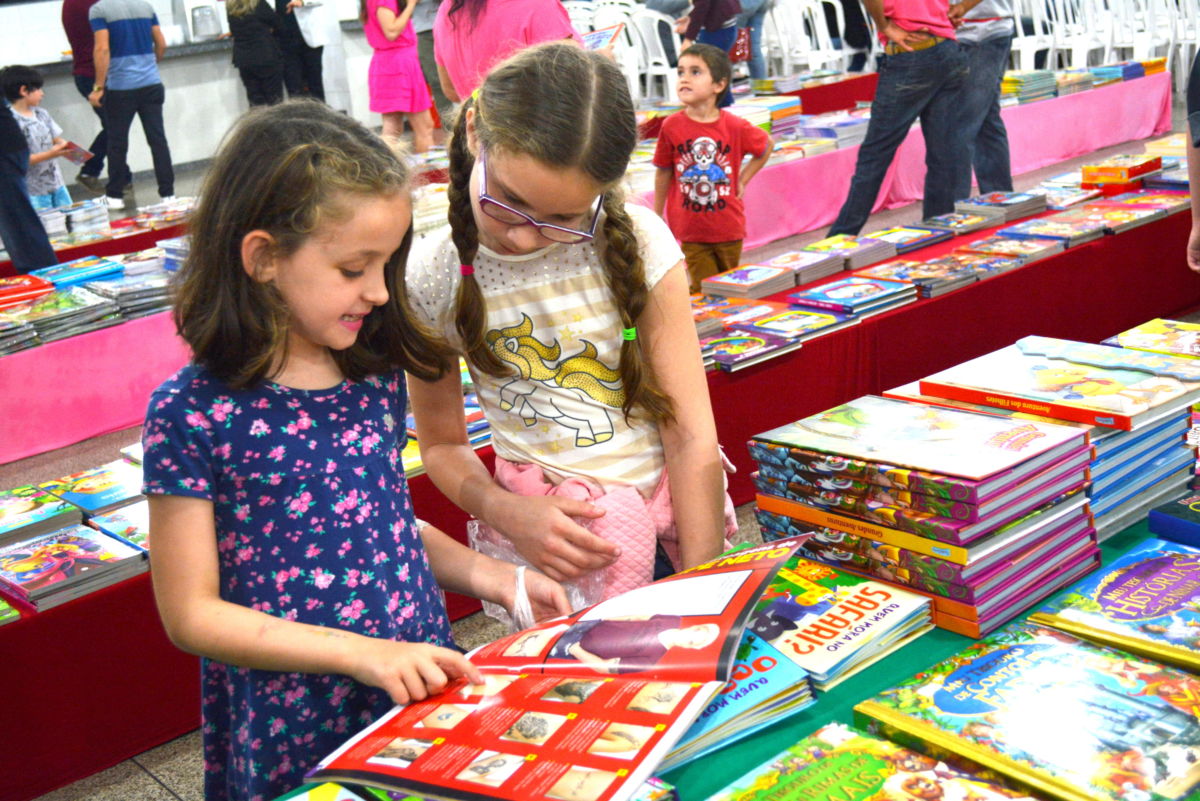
column 92, row 183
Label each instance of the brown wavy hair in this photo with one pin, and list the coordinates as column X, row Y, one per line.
column 287, row 169
column 568, row 108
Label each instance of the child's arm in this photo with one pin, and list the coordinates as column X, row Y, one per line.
column 187, row 589
column 100, row 59
column 540, row 527
column 394, row 24
column 752, row 167
column 60, row 148
column 460, row 569
column 662, row 185
column 690, row 440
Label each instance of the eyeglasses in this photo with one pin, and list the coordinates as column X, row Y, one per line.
column 509, row 216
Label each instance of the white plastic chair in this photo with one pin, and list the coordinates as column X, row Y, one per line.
column 1186, row 16
column 798, row 38
column 659, row 76
column 627, row 50
column 1082, row 37
column 580, row 13
column 1026, row 46
column 1141, row 30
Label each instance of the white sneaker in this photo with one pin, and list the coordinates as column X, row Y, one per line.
column 115, row 203
column 167, row 199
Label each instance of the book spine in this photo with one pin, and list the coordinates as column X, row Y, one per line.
column 1174, row 528
column 820, row 303
column 1027, row 405
column 889, row 536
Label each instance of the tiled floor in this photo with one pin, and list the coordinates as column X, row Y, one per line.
column 172, row 772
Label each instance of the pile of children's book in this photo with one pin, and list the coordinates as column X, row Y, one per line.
column 1029, row 85
column 855, row 251
column 1008, row 206
column 750, row 281
column 857, row 296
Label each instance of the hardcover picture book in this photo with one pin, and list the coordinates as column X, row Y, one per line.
column 957, row 222
column 1013, row 205
column 931, row 278
column 908, row 239
column 129, row 523
column 1028, row 250
column 28, row 511
column 578, row 707
column 1146, row 602
column 78, row 270
column 1170, row 337
column 749, row 281
column 1113, row 218
column 733, row 349
column 48, row 569
column 1117, row 169
column 1097, row 384
column 799, row 324
column 853, row 295
column 100, row 489
column 1178, row 519
column 1072, row 232
column 856, row 251
column 16, row 289
column 1065, row 718
column 808, row 265
column 837, row 763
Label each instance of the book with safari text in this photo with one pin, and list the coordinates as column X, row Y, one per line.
column 578, row 708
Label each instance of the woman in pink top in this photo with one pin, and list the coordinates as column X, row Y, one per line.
column 471, row 36
column 395, row 83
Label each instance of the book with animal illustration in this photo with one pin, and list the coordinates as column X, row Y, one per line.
column 1064, row 718
column 837, row 763
column 1171, row 337
column 932, row 278
column 100, row 489
column 28, row 511
column 1097, row 384
column 579, row 707
column 1146, row 602
column 852, row 295
column 733, row 349
column 799, row 324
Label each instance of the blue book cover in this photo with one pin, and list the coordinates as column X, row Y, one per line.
column 1178, row 520
column 79, row 270
column 99, row 489
column 853, row 294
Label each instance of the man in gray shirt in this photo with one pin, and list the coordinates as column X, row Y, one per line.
column 985, row 35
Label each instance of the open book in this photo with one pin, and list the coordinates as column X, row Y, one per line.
column 578, row 708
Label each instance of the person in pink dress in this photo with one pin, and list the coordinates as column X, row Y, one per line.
column 472, row 36
column 395, row 82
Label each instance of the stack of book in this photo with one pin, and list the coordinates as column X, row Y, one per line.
column 28, row 512
column 847, row 130
column 1068, row 719
column 906, row 239
column 1071, row 230
column 783, row 109
column 790, row 148
column 1014, row 205
column 1174, row 179
column 66, row 312
column 1025, row 249
column 733, row 349
column 99, row 490
column 854, row 251
column 957, row 222
column 16, row 334
column 809, row 265
column 1146, row 395
column 18, row 289
column 1170, row 337
column 855, row 295
column 53, row 221
column 78, row 270
column 1060, row 198
column 1072, row 81
column 749, row 281
column 798, row 324
column 712, row 313
column 175, row 251
column 757, row 115
column 87, row 215
column 985, row 265
column 46, row 570
column 145, row 261
column 982, row 514
column 1029, row 85
column 1116, row 218
column 129, row 523
column 1124, row 71
column 1120, row 169
column 1173, row 144
column 135, row 295
column 1169, row 200
column 931, row 278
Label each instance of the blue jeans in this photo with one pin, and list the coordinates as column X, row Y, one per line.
column 979, row 118
column 754, row 14
column 922, row 84
column 20, row 227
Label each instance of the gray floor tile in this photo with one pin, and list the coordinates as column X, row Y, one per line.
column 125, row 782
column 179, row 765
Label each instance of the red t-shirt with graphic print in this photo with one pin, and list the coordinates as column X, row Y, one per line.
column 703, row 203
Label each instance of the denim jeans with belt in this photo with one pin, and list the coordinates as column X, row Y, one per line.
column 979, row 118
column 922, row 84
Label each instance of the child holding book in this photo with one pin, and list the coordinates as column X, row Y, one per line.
column 572, row 311
column 701, row 180
column 285, row 549
column 23, row 90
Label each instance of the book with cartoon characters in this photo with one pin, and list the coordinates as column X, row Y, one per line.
column 854, row 295
column 731, row 350
column 907, row 239
column 99, row 489
column 1114, row 218
column 931, row 278
column 49, row 569
column 957, row 222
column 1146, row 602
column 1066, row 719
column 837, row 763
column 28, row 511
column 750, row 281
column 1097, row 384
column 129, row 523
column 577, row 708
column 1170, row 337
column 78, row 270
column 1028, row 250
column 798, row 324
column 1072, row 232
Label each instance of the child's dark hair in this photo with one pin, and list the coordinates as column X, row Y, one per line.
column 285, row 169
column 566, row 107
column 718, row 63
column 17, row 76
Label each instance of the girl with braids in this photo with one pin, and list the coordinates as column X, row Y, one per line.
column 573, row 313
column 286, row 552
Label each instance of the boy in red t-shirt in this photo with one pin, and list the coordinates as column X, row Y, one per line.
column 700, row 180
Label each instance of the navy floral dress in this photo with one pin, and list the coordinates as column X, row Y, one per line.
column 314, row 523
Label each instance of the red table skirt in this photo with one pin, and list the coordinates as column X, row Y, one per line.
column 109, row 247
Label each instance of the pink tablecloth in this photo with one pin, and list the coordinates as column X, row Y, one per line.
column 803, row 195
column 67, row 391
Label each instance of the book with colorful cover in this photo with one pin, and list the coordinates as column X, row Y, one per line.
column 133, row 453
column 1097, row 384
column 907, row 239
column 931, row 278
column 8, row 612
column 1121, row 168
column 28, row 511
column 17, row 289
column 837, row 763
column 1029, row 250
column 733, row 349
column 957, row 222
column 750, row 280
column 798, row 260
column 129, row 523
column 99, row 489
column 832, row 623
column 1067, row 719
column 1061, row 199
column 799, row 324
column 1170, row 202
column 581, row 706
column 1115, row 218
column 1072, row 232
column 1177, row 520
column 1146, row 602
column 1170, row 337
column 935, row 440
column 984, row 265
column 852, row 295
column 79, row 270
column 76, row 154
column 42, row 565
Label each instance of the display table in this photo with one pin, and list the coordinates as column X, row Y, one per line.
column 837, row 95
column 109, row 247
column 806, row 194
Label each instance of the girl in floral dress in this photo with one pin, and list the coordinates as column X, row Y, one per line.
column 285, row 549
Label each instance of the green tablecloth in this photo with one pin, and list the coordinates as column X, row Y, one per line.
column 700, row 779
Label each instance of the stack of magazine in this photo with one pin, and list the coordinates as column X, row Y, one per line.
column 855, row 251
column 135, row 295
column 982, row 514
column 749, row 281
column 1013, row 205
column 809, row 265
column 66, row 312
column 855, row 295
column 931, row 278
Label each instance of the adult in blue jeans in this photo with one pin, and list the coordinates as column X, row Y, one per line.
column 754, row 14
column 920, row 76
column 985, row 36
column 711, row 22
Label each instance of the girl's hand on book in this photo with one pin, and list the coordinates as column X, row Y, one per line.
column 411, row 671
column 542, row 531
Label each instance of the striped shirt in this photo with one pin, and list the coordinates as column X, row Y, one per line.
column 553, row 319
column 130, row 42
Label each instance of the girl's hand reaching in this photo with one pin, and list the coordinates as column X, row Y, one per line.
column 547, row 598
column 542, row 531
column 411, row 671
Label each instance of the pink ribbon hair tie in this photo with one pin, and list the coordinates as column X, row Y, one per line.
column 466, row 269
